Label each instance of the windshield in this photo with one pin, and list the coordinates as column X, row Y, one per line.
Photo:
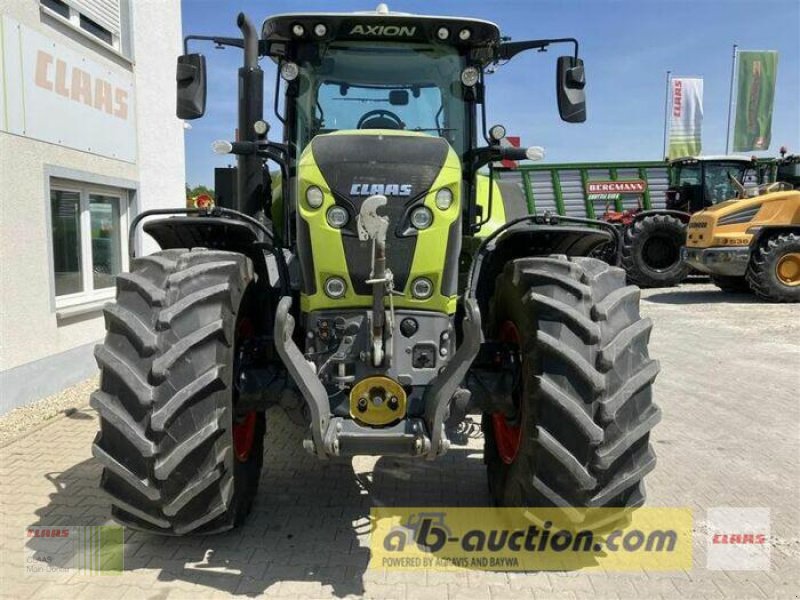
column 365, row 86
column 719, row 186
column 689, row 175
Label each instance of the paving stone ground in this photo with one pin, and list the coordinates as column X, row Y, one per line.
column 729, row 389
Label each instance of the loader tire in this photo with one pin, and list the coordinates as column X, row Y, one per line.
column 774, row 269
column 651, row 251
column 584, row 409
column 731, row 284
column 177, row 458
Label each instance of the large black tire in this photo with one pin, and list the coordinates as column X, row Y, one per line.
column 773, row 270
column 651, row 251
column 165, row 401
column 730, row 284
column 584, row 398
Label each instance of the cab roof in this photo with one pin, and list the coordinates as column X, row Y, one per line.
column 380, row 25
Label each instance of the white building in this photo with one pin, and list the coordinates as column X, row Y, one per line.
column 88, row 139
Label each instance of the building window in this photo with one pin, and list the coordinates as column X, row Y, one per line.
column 87, row 235
column 103, row 20
column 97, row 30
column 106, row 239
column 66, row 206
column 57, row 6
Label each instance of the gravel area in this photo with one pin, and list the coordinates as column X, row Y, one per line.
column 32, row 416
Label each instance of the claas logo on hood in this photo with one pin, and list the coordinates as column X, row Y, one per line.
column 387, row 189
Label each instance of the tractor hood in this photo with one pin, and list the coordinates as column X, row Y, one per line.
column 731, row 223
column 407, row 168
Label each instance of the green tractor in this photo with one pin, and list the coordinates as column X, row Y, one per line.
column 652, row 239
column 787, row 168
column 375, row 286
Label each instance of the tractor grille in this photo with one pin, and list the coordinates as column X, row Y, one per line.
column 386, row 160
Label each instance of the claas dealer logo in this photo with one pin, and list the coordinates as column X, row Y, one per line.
column 61, row 551
column 738, row 538
column 513, row 539
column 48, row 532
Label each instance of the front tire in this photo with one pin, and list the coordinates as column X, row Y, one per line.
column 651, row 251
column 774, row 269
column 584, row 396
column 170, row 440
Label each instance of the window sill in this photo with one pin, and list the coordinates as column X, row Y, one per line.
column 85, row 308
column 85, row 34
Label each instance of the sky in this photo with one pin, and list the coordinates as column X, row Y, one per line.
column 627, row 45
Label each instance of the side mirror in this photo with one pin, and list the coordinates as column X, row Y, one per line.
column 570, row 84
column 191, row 80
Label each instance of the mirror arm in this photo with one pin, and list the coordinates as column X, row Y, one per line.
column 509, row 50
column 219, row 42
column 265, row 48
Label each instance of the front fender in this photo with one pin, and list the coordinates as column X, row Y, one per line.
column 529, row 239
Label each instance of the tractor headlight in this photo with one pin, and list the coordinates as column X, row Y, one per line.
column 298, row 30
column 335, row 287
column 289, row 71
column 422, row 288
column 314, row 196
column 443, row 33
column 421, row 217
column 464, row 34
column 444, row 199
column 337, row 217
column 497, row 133
column 470, row 76
column 320, row 29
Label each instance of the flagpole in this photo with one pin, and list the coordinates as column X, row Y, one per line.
column 666, row 114
column 730, row 101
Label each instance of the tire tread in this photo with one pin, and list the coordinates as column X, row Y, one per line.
column 592, row 393
column 164, row 398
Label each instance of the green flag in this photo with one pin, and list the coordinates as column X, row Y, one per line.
column 755, row 96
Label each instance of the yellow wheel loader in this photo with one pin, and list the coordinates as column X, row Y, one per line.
column 751, row 243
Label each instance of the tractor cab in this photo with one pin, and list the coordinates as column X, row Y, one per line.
column 393, row 102
column 788, row 169
column 380, row 71
column 699, row 182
